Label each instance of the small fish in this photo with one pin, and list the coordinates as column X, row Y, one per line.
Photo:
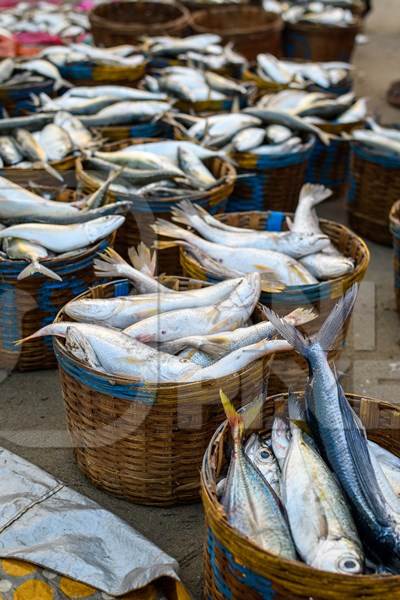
column 194, row 168
column 22, row 250
column 125, row 112
column 249, row 138
column 34, row 151
column 250, row 504
column 325, row 266
column 280, row 439
column 377, row 141
column 259, row 452
column 56, row 142
column 137, row 159
column 116, row 91
column 48, row 70
column 279, row 117
column 80, row 136
column 9, row 151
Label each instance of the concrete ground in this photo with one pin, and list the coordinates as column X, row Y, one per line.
column 32, row 414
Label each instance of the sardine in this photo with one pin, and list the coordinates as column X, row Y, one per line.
column 55, row 142
column 80, row 136
column 291, row 121
column 115, row 91
column 126, row 112
column 258, row 450
column 249, row 138
column 194, row 168
column 22, row 250
column 45, row 68
column 9, row 151
column 34, row 151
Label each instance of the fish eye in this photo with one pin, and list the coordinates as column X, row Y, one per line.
column 264, row 454
column 349, row 565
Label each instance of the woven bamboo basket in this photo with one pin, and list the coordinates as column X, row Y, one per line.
column 125, row 22
column 86, row 73
column 374, row 187
column 17, row 99
column 317, row 43
column 395, row 229
column 236, row 569
column 116, row 133
column 34, row 302
column 24, row 177
column 290, row 369
column 251, row 29
column 330, row 165
column 269, row 182
column 137, row 226
column 145, row 442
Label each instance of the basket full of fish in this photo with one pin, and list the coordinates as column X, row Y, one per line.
column 82, row 64
column 115, row 23
column 194, row 90
column 375, row 180
column 301, row 491
column 271, row 74
column 47, row 251
column 395, row 229
column 250, row 29
column 116, row 112
column 163, row 404
column 319, row 31
column 269, row 148
column 156, row 176
column 313, row 261
column 205, row 51
column 42, row 147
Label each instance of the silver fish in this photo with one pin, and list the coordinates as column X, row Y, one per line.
column 34, row 151
column 248, row 138
column 22, row 250
column 9, row 151
column 56, row 142
column 258, row 450
column 279, row 117
column 126, row 112
column 325, row 266
column 194, row 168
column 80, row 136
column 115, row 91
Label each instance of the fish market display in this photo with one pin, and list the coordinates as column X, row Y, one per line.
column 337, row 13
column 14, row 73
column 384, row 140
column 319, row 461
column 122, row 56
column 149, row 325
column 302, row 74
column 301, row 256
column 194, row 85
column 204, row 51
column 35, row 228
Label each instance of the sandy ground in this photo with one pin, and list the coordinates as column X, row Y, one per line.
column 32, row 411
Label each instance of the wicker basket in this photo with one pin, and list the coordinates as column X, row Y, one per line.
column 86, row 73
column 25, row 177
column 395, row 229
column 117, row 133
column 330, row 165
column 236, row 569
column 33, row 302
column 16, row 100
column 319, row 43
column 290, row 369
column 251, row 29
column 272, row 182
column 125, row 22
column 374, row 187
column 145, row 442
column 137, row 226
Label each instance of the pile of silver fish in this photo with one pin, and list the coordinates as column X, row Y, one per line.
column 257, row 129
column 302, row 74
column 166, row 169
column 204, row 51
column 13, row 72
column 55, row 136
column 384, row 140
column 124, row 55
column 337, row 13
column 303, row 255
column 35, row 229
column 64, row 20
column 316, row 468
column 174, row 336
column 317, row 107
column 193, row 85
column 106, row 105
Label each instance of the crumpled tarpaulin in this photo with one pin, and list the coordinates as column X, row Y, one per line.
column 48, row 524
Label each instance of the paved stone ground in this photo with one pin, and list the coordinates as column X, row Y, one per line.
column 32, row 414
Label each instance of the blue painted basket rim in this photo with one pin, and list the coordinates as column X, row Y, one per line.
column 364, row 152
column 131, row 386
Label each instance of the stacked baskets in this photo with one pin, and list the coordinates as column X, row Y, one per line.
column 395, row 229
column 145, row 442
column 236, row 569
column 289, row 370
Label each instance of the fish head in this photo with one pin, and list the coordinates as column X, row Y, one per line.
column 280, row 438
column 339, row 556
column 310, row 243
column 248, row 291
column 337, row 266
column 84, row 310
column 102, row 227
column 259, row 452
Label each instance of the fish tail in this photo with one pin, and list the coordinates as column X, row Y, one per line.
column 183, row 212
column 288, row 332
column 336, row 320
column 47, row 330
column 110, row 264
column 163, row 227
column 37, row 267
column 300, row 316
column 235, row 420
column 59, row 83
column 318, row 193
column 143, row 259
column 51, row 171
column 164, row 245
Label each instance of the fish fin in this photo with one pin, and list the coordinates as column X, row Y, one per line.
column 235, row 420
column 79, row 346
column 163, row 227
column 289, row 223
column 37, row 267
column 358, row 445
column 288, row 332
column 60, row 83
column 164, row 245
column 42, row 332
column 109, row 263
column 51, row 171
column 336, row 320
column 143, row 259
column 317, row 192
column 270, row 282
column 182, row 212
column 299, row 270
column 300, row 316
column 252, row 411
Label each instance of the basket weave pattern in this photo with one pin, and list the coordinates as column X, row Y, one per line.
column 319, row 43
